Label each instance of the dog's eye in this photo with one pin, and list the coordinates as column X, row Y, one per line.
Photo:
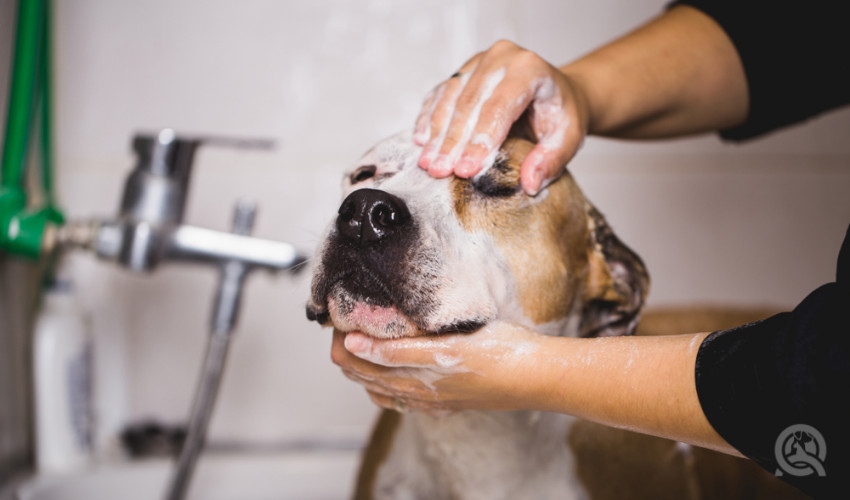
column 489, row 186
column 363, row 173
column 500, row 181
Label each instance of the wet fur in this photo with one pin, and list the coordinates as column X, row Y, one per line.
column 476, row 251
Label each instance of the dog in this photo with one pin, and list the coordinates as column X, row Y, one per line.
column 411, row 255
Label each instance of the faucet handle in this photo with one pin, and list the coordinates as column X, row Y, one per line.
column 156, row 189
column 243, row 217
column 167, row 154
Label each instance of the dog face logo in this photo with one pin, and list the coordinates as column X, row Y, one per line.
column 410, row 255
column 800, row 451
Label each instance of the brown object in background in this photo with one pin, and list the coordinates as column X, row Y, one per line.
column 697, row 319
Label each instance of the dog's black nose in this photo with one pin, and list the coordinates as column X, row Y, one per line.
column 369, row 215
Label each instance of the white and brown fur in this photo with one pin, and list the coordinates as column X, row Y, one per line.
column 413, row 255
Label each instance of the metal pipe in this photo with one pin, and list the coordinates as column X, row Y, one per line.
column 205, row 396
column 232, row 275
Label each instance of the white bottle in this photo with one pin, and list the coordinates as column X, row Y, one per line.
column 62, row 349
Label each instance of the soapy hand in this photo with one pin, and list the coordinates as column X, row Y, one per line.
column 626, row 382
column 488, row 369
column 465, row 119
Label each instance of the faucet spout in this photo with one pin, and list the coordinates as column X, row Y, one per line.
column 197, row 244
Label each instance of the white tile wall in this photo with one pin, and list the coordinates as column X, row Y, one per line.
column 752, row 224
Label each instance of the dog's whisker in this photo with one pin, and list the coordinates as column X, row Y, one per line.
column 298, row 266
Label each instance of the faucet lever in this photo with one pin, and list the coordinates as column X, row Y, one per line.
column 156, row 190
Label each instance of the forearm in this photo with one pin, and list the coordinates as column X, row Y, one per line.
column 677, row 75
column 644, row 384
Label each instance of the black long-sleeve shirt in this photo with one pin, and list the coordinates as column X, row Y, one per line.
column 778, row 390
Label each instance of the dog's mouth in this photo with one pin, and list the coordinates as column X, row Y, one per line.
column 359, row 300
column 379, row 274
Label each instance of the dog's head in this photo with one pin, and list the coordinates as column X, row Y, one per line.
column 410, row 255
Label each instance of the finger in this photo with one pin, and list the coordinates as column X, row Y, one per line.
column 421, row 132
column 406, row 381
column 539, row 169
column 408, row 386
column 403, row 405
column 416, row 352
column 560, row 133
column 351, row 364
column 459, row 130
column 339, row 354
column 441, row 111
column 495, row 119
column 394, row 403
column 371, row 384
column 549, row 157
column 470, row 139
column 403, row 382
column 382, row 400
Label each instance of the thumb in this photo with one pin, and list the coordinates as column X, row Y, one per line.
column 548, row 159
column 540, row 167
column 404, row 352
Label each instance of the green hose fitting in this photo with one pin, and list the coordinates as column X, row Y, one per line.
column 22, row 231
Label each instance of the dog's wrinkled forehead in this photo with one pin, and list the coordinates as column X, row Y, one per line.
column 389, row 157
column 392, row 166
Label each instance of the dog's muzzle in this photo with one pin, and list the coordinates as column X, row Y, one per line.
column 371, row 267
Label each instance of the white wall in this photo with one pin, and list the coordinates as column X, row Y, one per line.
column 753, row 224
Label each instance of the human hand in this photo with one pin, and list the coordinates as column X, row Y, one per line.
column 630, row 382
column 493, row 368
column 465, row 119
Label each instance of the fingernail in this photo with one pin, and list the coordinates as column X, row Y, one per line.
column 420, row 137
column 440, row 166
column 427, row 157
column 467, row 167
column 535, row 182
column 356, row 343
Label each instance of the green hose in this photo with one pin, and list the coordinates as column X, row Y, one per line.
column 22, row 230
column 46, row 124
column 21, row 91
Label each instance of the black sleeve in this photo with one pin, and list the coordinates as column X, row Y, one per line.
column 779, row 389
column 796, row 56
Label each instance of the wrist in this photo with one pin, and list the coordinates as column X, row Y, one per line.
column 589, row 87
column 539, row 385
column 516, row 367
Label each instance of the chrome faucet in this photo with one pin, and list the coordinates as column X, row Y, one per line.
column 149, row 230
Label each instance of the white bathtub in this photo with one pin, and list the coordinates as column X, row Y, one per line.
column 257, row 476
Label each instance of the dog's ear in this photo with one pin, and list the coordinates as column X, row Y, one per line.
column 616, row 284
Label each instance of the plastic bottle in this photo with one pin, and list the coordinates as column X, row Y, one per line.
column 62, row 363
